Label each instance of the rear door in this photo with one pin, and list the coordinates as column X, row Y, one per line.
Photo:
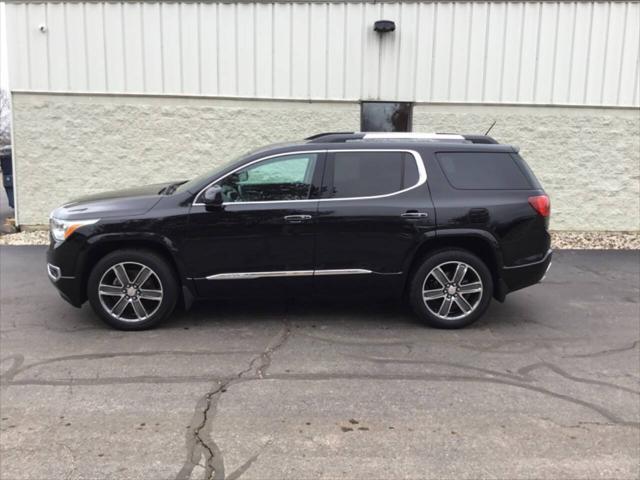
column 374, row 211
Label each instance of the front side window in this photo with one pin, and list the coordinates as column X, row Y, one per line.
column 282, row 178
column 368, row 174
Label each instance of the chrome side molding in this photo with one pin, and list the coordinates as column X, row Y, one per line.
column 287, row 273
column 546, row 255
column 342, row 271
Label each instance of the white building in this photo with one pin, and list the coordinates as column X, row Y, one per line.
column 112, row 94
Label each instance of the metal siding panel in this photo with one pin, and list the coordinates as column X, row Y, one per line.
column 511, row 62
column 529, row 54
column 406, row 59
column 563, row 53
column 517, row 52
column 57, row 45
column 494, row 53
column 209, row 48
column 477, row 52
column 388, row 45
column 152, row 48
column 245, row 49
column 190, row 48
column 546, row 53
column 171, row 51
column 264, row 50
column 424, row 46
column 281, row 51
column 114, row 47
column 441, row 60
column 38, row 49
column 611, row 71
column 459, row 59
column 628, row 84
column 300, row 51
column 597, row 54
column 336, row 51
column 133, row 53
column 94, row 30
column 76, row 47
column 581, row 43
column 227, row 49
column 18, row 51
column 318, row 51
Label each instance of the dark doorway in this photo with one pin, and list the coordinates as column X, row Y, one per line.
column 386, row 116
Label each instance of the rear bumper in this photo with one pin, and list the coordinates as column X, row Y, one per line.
column 522, row 276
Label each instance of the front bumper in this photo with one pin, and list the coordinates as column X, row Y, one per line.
column 523, row 276
column 63, row 276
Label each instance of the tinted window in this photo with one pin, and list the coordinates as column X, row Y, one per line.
column 479, row 170
column 365, row 174
column 282, row 178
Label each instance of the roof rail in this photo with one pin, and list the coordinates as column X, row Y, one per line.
column 480, row 139
column 410, row 136
column 341, row 137
column 334, row 137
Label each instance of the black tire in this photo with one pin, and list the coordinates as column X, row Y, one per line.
column 479, row 301
column 161, row 283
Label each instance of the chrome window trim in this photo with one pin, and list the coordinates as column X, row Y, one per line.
column 422, row 176
column 287, row 273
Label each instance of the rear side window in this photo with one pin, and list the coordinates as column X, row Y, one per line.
column 367, row 174
column 483, row 170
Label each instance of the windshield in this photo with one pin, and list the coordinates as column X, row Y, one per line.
column 196, row 182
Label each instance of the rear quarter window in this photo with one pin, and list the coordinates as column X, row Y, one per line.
column 483, row 171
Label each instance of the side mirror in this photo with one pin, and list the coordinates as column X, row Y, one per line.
column 212, row 197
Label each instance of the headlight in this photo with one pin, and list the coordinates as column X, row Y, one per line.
column 61, row 229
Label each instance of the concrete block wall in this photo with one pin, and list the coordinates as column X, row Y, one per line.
column 70, row 145
column 587, row 159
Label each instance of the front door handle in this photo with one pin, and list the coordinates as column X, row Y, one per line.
column 297, row 218
column 414, row 215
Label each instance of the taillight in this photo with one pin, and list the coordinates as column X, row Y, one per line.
column 541, row 204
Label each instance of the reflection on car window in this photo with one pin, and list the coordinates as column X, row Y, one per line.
column 283, row 178
column 365, row 174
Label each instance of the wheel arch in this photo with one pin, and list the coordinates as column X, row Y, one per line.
column 99, row 247
column 479, row 242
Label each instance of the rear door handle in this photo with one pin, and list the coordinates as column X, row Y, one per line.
column 297, row 218
column 414, row 215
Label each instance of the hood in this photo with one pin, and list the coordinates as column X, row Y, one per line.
column 131, row 201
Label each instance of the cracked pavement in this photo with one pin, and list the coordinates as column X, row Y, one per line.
column 546, row 385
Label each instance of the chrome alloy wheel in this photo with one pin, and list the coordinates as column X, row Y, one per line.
column 130, row 292
column 452, row 290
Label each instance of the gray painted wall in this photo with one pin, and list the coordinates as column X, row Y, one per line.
column 70, row 145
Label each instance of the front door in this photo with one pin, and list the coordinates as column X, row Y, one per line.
column 261, row 241
column 375, row 212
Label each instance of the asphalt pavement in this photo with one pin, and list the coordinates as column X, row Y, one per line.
column 546, row 385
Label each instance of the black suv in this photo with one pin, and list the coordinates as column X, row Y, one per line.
column 448, row 221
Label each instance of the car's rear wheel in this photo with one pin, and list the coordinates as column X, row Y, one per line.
column 451, row 289
column 132, row 289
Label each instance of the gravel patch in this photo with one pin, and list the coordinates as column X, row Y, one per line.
column 560, row 240
column 33, row 237
column 595, row 240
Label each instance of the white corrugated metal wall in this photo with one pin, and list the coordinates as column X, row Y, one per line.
column 584, row 53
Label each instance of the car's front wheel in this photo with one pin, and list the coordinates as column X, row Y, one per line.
column 132, row 289
column 451, row 289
